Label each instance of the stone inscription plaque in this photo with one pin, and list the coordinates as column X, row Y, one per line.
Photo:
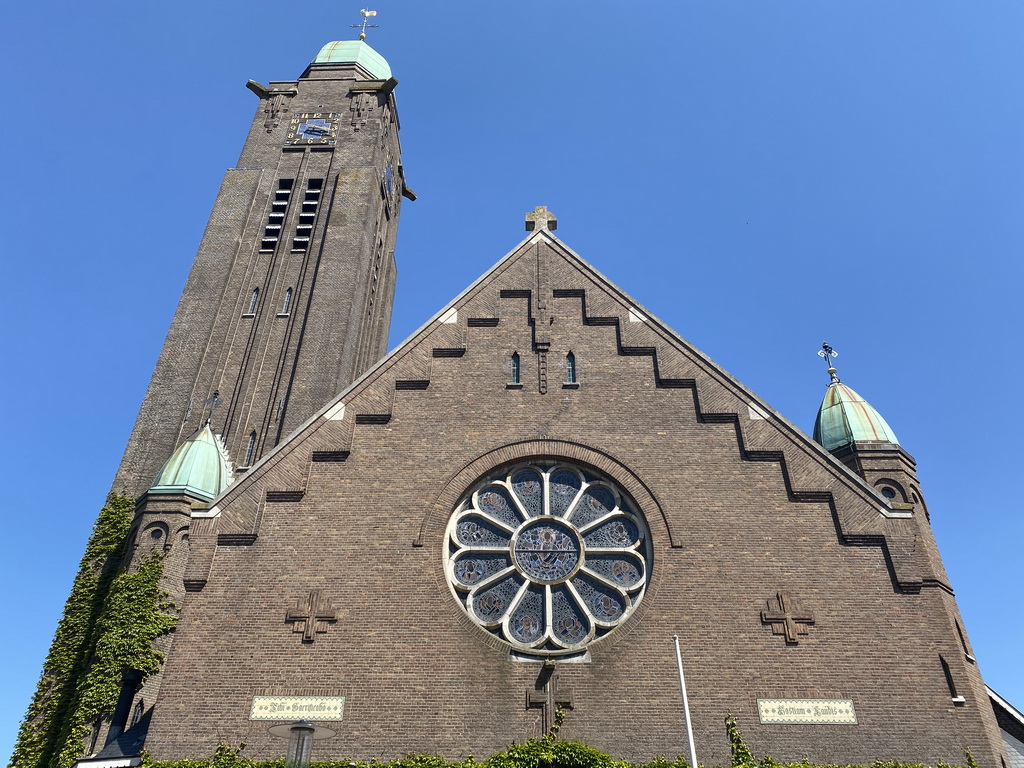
column 297, row 708
column 806, row 711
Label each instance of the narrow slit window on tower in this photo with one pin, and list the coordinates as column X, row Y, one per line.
column 287, row 304
column 250, row 449
column 957, row 699
column 963, row 641
column 571, row 373
column 300, row 243
column 315, row 183
column 515, row 370
column 253, row 302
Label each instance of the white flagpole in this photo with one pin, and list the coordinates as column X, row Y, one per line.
column 686, row 704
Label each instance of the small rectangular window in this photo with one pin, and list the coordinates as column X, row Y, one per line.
column 268, row 244
column 285, row 183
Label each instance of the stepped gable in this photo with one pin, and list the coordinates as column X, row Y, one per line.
column 539, row 283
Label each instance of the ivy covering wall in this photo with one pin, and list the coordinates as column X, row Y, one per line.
column 110, row 621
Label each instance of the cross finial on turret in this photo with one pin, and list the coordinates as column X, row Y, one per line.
column 827, row 352
column 364, row 26
column 213, row 401
column 541, row 218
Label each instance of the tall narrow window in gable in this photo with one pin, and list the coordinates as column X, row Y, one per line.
column 286, row 306
column 254, row 301
column 515, row 369
column 570, row 369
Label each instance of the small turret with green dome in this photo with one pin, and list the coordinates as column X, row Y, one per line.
column 198, row 467
column 844, row 417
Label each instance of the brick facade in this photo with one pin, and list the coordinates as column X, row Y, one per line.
column 741, row 506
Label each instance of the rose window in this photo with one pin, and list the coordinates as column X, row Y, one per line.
column 547, row 558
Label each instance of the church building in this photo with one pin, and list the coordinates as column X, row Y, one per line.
column 510, row 514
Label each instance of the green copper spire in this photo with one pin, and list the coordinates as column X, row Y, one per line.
column 354, row 52
column 198, row 467
column 845, row 417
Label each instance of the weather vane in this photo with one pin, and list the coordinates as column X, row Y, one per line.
column 364, row 26
column 827, row 352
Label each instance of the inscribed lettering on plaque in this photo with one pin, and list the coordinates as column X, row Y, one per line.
column 297, row 708
column 806, row 711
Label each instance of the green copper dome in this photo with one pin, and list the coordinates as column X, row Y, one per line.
column 354, row 52
column 845, row 417
column 198, row 467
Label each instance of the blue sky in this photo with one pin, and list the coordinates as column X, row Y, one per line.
column 760, row 175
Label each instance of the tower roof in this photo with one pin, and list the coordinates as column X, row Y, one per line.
column 197, row 467
column 845, row 417
column 354, row 52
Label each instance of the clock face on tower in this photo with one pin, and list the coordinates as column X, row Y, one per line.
column 313, row 128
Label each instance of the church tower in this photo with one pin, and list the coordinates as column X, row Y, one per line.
column 289, row 299
column 288, row 302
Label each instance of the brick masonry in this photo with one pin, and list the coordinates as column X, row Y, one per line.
column 740, row 504
column 273, row 365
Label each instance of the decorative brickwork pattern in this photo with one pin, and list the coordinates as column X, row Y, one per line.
column 740, row 505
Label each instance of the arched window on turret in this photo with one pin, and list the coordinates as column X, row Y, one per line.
column 250, row 450
column 570, row 369
column 254, row 301
column 287, row 304
column 515, row 369
column 140, row 707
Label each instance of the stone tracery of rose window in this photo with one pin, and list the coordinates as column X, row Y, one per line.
column 548, row 558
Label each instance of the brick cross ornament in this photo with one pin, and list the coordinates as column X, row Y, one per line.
column 311, row 618
column 785, row 618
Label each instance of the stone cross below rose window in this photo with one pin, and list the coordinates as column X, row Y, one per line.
column 786, row 618
column 548, row 697
column 311, row 617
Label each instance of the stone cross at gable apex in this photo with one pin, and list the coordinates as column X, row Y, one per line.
column 541, row 218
